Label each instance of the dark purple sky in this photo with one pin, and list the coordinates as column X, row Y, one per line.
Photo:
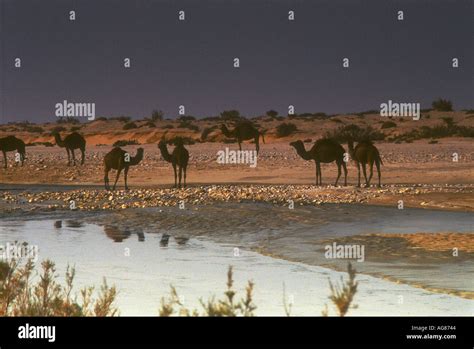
column 191, row 62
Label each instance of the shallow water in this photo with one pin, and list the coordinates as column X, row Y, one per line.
column 202, row 244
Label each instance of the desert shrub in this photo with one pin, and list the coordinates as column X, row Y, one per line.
column 343, row 294
column 121, row 118
column 21, row 296
column 157, row 115
column 150, row 124
column 336, row 120
column 33, row 129
column 227, row 306
column 272, row 113
column 68, row 120
column 448, row 121
column 186, row 118
column 442, row 105
column 285, row 129
column 168, row 126
column 388, row 124
column 75, row 128
column 129, row 126
column 230, row 115
column 124, row 142
column 58, row 129
column 437, row 131
column 188, row 125
column 356, row 133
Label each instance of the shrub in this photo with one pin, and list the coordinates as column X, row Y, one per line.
column 19, row 296
column 150, row 124
column 58, row 129
column 355, row 133
column 157, row 115
column 188, row 125
column 272, row 113
column 123, row 142
column 442, row 105
column 186, row 118
column 129, row 126
column 68, row 120
column 230, row 115
column 285, row 129
column 388, row 124
column 122, row 118
column 336, row 120
column 168, row 126
column 75, row 128
column 228, row 306
column 343, row 294
column 34, row 129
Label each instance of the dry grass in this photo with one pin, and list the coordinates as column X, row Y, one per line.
column 343, row 294
column 22, row 293
column 225, row 307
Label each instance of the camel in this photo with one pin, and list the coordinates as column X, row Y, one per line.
column 71, row 142
column 324, row 150
column 118, row 159
column 11, row 143
column 365, row 153
column 243, row 131
column 179, row 157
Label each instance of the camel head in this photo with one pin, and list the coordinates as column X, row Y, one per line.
column 57, row 138
column 298, row 145
column 138, row 157
column 300, row 149
column 225, row 131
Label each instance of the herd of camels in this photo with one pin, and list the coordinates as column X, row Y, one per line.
column 325, row 150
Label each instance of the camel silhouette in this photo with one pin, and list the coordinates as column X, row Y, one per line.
column 179, row 157
column 325, row 150
column 243, row 131
column 118, row 159
column 71, row 142
column 11, row 143
column 365, row 153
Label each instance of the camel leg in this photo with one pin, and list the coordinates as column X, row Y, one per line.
column 377, row 164
column 365, row 174
column 317, row 172
column 68, row 157
column 257, row 145
column 125, row 173
column 338, row 173
column 180, row 175
column 73, row 158
column 185, row 170
column 358, row 173
column 117, row 177
column 106, row 178
column 175, row 176
column 4, row 159
column 83, row 156
column 320, row 174
column 345, row 172
column 240, row 145
column 371, row 172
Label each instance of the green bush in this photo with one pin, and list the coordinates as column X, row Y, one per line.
column 123, row 142
column 388, row 124
column 285, row 129
column 442, row 105
column 129, row 126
